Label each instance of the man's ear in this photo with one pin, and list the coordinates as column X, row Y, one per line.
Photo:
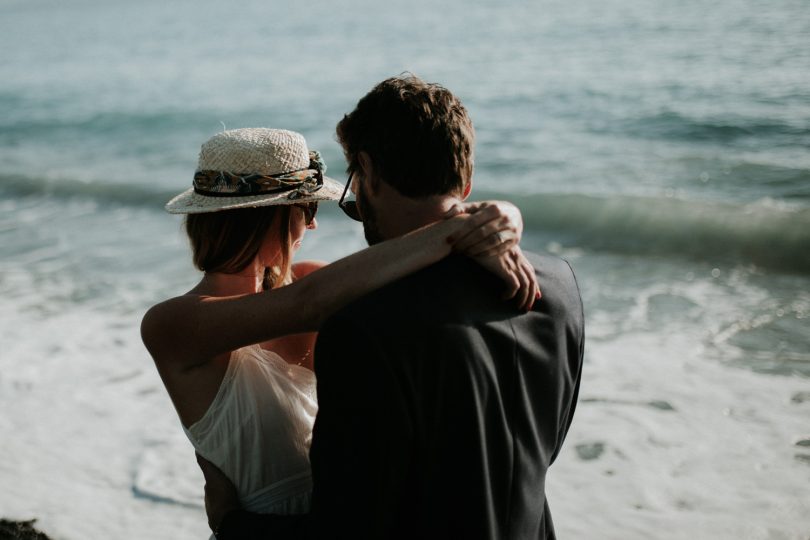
column 367, row 169
column 467, row 190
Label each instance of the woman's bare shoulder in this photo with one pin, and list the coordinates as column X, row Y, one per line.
column 300, row 269
column 164, row 325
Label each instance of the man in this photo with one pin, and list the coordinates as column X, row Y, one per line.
column 441, row 406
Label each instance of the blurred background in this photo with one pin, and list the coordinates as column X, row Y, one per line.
column 660, row 147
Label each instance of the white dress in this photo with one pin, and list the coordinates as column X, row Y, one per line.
column 258, row 430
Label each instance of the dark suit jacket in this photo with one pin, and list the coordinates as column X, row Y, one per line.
column 441, row 407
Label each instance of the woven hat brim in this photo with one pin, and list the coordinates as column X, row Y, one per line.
column 190, row 202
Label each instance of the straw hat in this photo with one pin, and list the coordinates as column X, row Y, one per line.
column 244, row 168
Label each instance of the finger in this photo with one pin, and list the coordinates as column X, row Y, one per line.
column 528, row 271
column 483, row 237
column 471, row 223
column 525, row 288
column 493, row 246
column 515, row 218
column 533, row 290
column 482, row 213
column 534, row 293
column 472, row 207
column 508, row 212
column 511, row 280
column 454, row 210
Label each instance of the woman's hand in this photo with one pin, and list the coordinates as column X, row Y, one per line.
column 517, row 273
column 490, row 235
column 494, row 228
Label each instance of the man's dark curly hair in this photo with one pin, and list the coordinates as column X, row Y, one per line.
column 417, row 134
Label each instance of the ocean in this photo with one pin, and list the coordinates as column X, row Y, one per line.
column 661, row 147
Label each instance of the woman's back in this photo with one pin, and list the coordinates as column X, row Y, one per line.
column 258, row 430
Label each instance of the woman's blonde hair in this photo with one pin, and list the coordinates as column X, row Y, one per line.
column 229, row 241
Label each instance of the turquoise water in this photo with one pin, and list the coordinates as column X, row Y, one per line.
column 661, row 147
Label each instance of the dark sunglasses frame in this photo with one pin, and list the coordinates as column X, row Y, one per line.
column 310, row 209
column 349, row 207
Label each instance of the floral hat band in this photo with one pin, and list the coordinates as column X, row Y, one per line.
column 300, row 183
column 254, row 167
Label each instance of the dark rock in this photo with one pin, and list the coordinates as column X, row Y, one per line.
column 800, row 397
column 661, row 405
column 803, row 458
column 590, row 451
column 20, row 530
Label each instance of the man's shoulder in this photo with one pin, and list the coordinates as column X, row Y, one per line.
column 557, row 280
column 550, row 265
column 456, row 284
column 437, row 285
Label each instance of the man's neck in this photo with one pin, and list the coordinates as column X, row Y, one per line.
column 398, row 215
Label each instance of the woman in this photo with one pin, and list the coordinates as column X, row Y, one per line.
column 232, row 352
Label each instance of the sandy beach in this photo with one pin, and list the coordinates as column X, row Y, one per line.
column 660, row 148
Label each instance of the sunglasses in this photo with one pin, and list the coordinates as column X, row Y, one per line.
column 310, row 209
column 349, row 207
